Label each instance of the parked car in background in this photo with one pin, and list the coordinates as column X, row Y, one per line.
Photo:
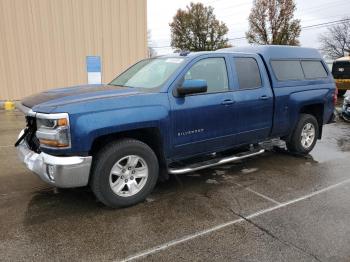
column 345, row 111
column 173, row 114
column 341, row 74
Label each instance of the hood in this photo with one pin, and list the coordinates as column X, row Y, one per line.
column 62, row 96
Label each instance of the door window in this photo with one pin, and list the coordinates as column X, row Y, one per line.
column 248, row 73
column 213, row 70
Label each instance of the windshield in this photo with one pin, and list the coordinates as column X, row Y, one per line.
column 149, row 73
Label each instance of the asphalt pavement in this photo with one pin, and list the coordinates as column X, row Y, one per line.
column 274, row 207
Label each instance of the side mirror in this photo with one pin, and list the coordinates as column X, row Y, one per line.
column 192, row 87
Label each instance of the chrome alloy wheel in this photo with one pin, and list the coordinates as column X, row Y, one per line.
column 308, row 135
column 128, row 176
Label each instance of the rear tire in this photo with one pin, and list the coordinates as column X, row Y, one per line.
column 304, row 136
column 124, row 173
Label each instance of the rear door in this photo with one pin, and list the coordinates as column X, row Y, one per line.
column 253, row 98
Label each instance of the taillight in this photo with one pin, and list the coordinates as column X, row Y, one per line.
column 335, row 96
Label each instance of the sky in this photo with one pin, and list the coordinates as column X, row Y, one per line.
column 235, row 14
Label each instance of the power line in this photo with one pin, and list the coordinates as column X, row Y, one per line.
column 302, row 22
column 306, row 27
column 327, row 23
column 302, row 10
column 313, row 8
column 303, row 28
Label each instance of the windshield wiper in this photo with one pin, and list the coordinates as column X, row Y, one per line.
column 120, row 85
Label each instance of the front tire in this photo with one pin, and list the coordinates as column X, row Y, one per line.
column 124, row 173
column 305, row 135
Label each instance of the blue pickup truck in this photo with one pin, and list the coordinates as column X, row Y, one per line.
column 175, row 114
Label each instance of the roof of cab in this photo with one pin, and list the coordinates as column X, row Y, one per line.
column 277, row 51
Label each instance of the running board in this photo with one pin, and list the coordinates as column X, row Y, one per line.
column 210, row 163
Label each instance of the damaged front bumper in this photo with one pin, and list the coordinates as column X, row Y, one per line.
column 62, row 172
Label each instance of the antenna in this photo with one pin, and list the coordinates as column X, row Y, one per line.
column 184, row 53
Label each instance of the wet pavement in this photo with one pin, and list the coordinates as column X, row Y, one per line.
column 275, row 207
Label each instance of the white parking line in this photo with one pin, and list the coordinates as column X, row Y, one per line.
column 259, row 194
column 7, row 146
column 232, row 222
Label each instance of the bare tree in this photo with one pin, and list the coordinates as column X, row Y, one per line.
column 335, row 42
column 271, row 22
column 197, row 29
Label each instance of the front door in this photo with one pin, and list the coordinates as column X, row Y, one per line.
column 202, row 123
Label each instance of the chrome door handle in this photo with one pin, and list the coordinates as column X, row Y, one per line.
column 227, row 102
column 264, row 97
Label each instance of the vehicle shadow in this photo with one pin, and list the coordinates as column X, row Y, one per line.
column 52, row 203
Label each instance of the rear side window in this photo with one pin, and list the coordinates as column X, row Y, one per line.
column 248, row 73
column 313, row 69
column 213, row 70
column 287, row 70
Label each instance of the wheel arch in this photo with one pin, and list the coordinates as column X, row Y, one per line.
column 316, row 110
column 150, row 136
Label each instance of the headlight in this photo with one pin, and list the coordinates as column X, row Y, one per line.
column 53, row 130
